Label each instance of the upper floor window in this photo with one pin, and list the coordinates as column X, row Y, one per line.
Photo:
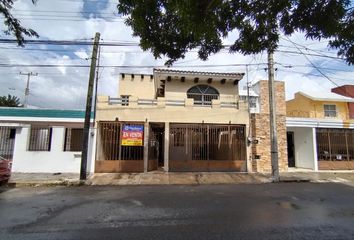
column 330, row 110
column 125, row 100
column 202, row 94
column 253, row 102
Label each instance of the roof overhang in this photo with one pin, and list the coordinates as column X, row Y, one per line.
column 327, row 99
column 213, row 76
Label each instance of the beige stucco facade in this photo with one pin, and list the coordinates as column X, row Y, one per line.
column 143, row 87
column 162, row 99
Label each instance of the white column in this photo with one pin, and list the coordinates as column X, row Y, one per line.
column 314, row 142
column 167, row 146
column 57, row 141
column 20, row 148
column 92, row 150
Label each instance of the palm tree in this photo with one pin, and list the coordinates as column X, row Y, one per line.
column 10, row 101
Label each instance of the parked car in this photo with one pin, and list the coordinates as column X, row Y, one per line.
column 5, row 169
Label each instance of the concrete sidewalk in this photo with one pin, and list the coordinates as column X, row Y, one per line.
column 177, row 178
column 162, row 178
column 43, row 179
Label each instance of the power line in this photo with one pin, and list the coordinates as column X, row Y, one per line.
column 51, row 11
column 309, row 74
column 70, row 20
column 92, row 1
column 122, row 66
column 324, row 75
column 73, row 42
column 310, row 54
column 130, row 44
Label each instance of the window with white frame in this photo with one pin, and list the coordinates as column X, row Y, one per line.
column 202, row 94
column 330, row 110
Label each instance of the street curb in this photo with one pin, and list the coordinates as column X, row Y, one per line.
column 64, row 183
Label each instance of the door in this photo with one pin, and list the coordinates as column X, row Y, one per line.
column 156, row 146
column 291, row 149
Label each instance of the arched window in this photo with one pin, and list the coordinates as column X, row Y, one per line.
column 202, row 94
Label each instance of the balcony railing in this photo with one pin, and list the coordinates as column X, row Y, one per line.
column 126, row 102
column 150, row 102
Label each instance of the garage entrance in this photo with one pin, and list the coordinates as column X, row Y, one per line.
column 207, row 147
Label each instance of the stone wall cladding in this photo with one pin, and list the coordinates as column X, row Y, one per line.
column 261, row 151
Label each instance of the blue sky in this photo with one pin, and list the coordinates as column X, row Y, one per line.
column 63, row 87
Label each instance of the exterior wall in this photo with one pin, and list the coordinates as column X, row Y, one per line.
column 347, row 91
column 55, row 160
column 305, row 147
column 142, row 86
column 302, row 106
column 261, row 151
column 180, row 114
column 177, row 90
column 293, row 107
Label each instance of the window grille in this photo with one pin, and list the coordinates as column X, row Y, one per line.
column 7, row 141
column 125, row 100
column 330, row 110
column 73, row 139
column 253, row 102
column 40, row 138
column 203, row 94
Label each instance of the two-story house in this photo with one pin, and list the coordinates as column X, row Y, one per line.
column 320, row 131
column 186, row 121
column 173, row 120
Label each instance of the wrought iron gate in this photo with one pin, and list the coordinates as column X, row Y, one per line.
column 112, row 156
column 207, row 147
column 335, row 149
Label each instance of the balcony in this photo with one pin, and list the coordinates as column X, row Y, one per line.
column 133, row 102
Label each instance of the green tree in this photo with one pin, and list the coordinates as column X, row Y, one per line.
column 173, row 27
column 10, row 101
column 13, row 25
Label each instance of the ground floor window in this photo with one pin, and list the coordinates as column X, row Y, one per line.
column 7, row 140
column 73, row 139
column 40, row 138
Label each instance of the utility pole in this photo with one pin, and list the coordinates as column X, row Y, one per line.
column 272, row 119
column 83, row 167
column 27, row 86
column 96, row 85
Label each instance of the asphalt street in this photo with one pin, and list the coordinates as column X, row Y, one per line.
column 254, row 211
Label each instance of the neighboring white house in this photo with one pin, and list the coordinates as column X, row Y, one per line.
column 44, row 140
